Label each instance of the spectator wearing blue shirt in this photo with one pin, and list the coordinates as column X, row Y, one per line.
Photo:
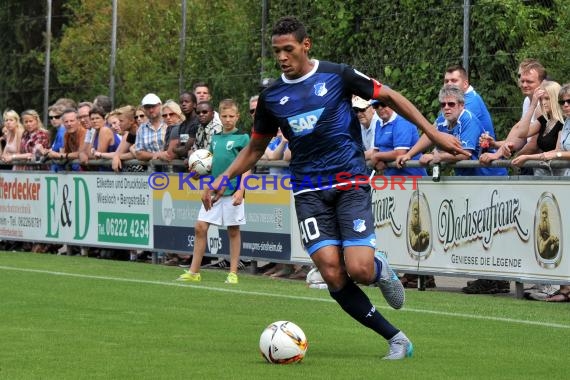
column 394, row 136
column 459, row 122
column 55, row 112
column 474, row 103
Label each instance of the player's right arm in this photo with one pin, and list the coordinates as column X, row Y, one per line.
column 245, row 161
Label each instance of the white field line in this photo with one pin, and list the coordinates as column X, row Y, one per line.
column 274, row 295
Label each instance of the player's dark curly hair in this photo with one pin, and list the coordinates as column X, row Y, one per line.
column 290, row 25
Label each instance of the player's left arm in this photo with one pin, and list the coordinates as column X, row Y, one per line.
column 369, row 88
column 405, row 108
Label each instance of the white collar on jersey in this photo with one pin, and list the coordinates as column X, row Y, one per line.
column 314, row 69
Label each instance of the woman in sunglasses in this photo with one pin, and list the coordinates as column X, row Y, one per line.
column 173, row 116
column 140, row 116
column 546, row 130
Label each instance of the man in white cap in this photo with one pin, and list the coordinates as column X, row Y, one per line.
column 150, row 135
column 368, row 120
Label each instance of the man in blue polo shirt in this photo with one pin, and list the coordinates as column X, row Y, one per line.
column 394, row 136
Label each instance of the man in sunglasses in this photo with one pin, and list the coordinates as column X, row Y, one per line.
column 150, row 135
column 209, row 125
column 457, row 75
column 368, row 121
column 455, row 120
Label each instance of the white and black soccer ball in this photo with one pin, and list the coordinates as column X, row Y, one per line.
column 200, row 161
column 283, row 342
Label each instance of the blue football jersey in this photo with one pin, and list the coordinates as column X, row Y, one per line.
column 475, row 104
column 315, row 114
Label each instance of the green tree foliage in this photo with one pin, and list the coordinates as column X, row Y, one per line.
column 22, row 27
column 406, row 44
column 221, row 49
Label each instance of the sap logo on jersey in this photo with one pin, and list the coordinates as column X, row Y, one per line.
column 305, row 123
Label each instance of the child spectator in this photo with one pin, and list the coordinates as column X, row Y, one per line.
column 229, row 210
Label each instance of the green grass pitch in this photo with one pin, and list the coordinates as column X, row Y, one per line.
column 78, row 318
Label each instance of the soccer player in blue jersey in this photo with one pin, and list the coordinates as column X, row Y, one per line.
column 311, row 103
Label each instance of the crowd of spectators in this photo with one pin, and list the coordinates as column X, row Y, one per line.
column 81, row 132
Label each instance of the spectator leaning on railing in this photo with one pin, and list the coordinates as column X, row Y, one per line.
column 560, row 152
column 12, row 135
column 150, row 135
column 126, row 151
column 73, row 140
column 105, row 140
column 173, row 116
column 531, row 73
column 461, row 123
column 34, row 138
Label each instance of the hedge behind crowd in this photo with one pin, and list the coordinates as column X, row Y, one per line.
column 406, row 44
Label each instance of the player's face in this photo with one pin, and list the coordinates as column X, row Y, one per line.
column 529, row 82
column 229, row 118
column 292, row 55
column 455, row 79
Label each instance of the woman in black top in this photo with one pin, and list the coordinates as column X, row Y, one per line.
column 544, row 131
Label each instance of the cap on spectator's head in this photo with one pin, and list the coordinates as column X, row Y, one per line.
column 374, row 101
column 150, row 100
column 358, row 102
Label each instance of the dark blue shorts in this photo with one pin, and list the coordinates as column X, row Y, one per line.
column 335, row 217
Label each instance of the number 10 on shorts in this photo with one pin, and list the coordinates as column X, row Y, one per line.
column 309, row 230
